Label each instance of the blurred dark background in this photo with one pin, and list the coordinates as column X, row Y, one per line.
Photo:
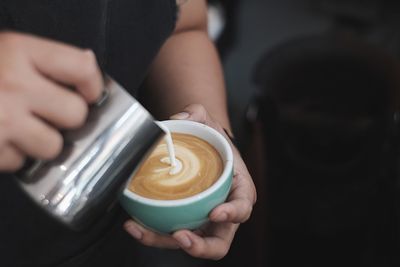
column 313, row 97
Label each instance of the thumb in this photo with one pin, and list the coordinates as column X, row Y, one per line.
column 193, row 112
column 180, row 116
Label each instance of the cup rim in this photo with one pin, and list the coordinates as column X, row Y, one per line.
column 228, row 168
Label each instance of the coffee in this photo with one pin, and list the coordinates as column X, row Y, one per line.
column 199, row 165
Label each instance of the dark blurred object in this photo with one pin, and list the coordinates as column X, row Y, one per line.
column 326, row 105
column 376, row 21
column 360, row 12
column 334, row 198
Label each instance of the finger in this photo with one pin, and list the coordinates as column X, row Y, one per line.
column 68, row 65
column 57, row 105
column 213, row 247
column 35, row 138
column 235, row 211
column 11, row 159
column 180, row 116
column 193, row 112
column 197, row 113
column 240, row 203
column 149, row 238
column 242, row 184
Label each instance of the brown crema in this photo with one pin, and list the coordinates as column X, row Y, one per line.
column 201, row 167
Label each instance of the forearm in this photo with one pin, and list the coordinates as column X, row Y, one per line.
column 187, row 71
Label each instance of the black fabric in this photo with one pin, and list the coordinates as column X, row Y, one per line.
column 125, row 35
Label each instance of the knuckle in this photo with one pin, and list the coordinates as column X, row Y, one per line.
column 255, row 195
column 17, row 163
column 199, row 253
column 77, row 112
column 199, row 111
column 89, row 67
column 246, row 217
column 199, row 250
column 55, row 145
column 7, row 80
column 10, row 37
column 199, row 108
column 147, row 240
column 11, row 160
column 224, row 252
column 249, row 209
column 13, row 43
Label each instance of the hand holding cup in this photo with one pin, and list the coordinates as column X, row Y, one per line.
column 212, row 240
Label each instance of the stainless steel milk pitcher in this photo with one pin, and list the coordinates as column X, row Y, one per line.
column 96, row 160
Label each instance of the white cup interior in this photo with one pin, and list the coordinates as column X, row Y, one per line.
column 211, row 136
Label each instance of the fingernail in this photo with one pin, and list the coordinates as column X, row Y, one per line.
column 134, row 231
column 180, row 116
column 221, row 217
column 184, row 241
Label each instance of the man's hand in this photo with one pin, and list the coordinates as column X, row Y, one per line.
column 35, row 96
column 214, row 239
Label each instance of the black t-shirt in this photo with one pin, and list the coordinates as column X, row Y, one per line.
column 125, row 35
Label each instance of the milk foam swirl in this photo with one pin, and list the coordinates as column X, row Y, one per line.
column 174, row 169
column 198, row 166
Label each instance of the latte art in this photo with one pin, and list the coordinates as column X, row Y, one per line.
column 198, row 166
column 174, row 169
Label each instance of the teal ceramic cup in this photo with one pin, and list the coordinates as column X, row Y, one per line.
column 167, row 216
